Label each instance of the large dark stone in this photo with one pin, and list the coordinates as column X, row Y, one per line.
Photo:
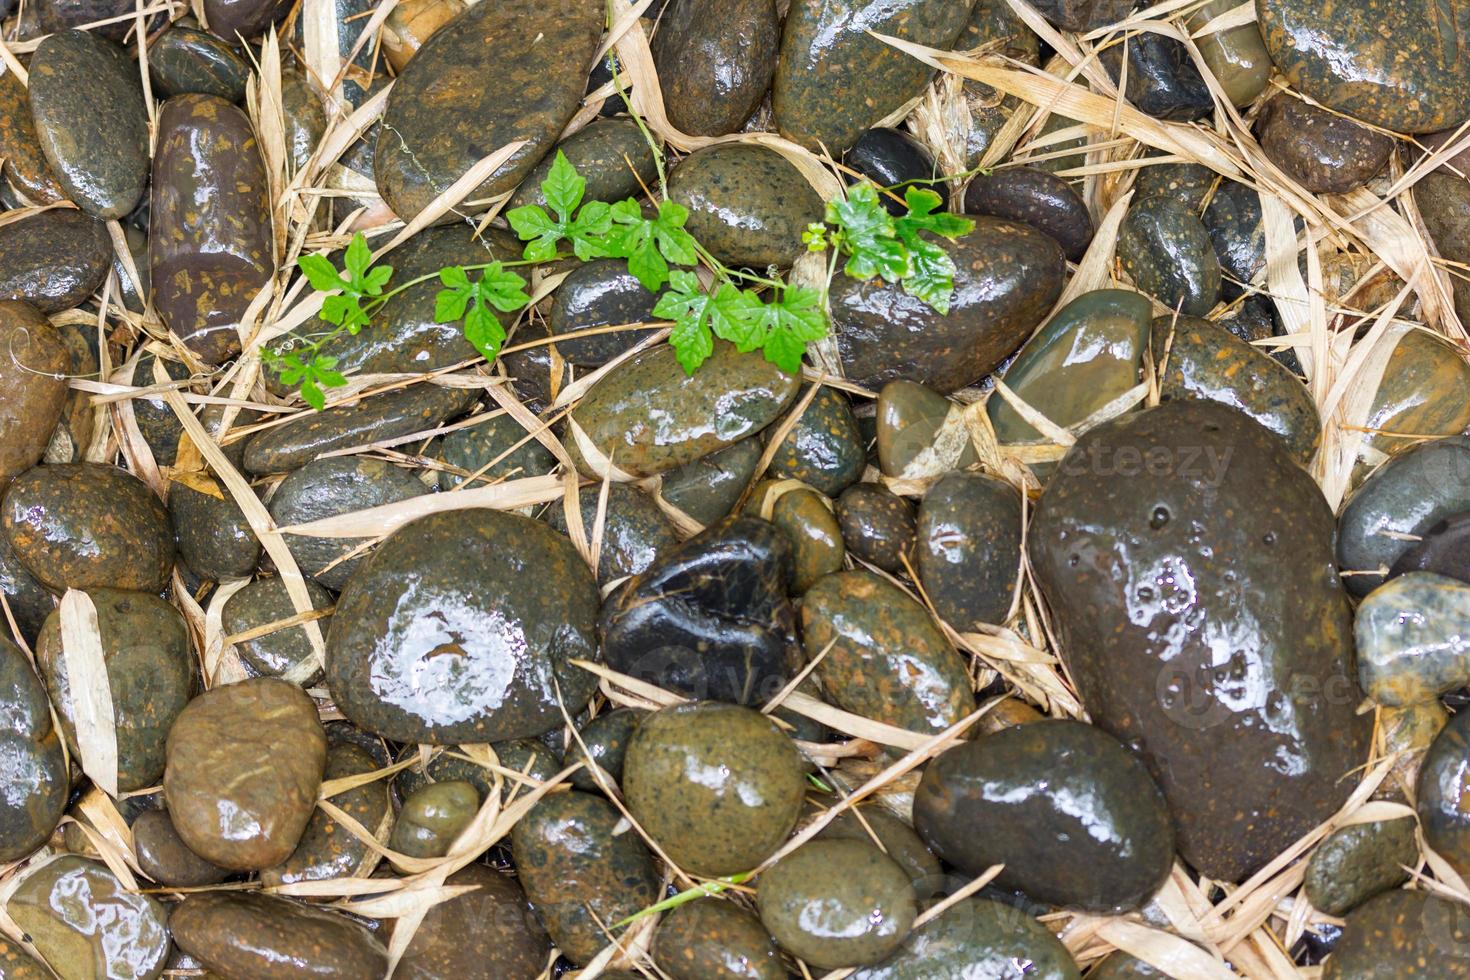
column 54, row 259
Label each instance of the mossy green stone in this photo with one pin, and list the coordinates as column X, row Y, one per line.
column 711, row 939
column 17, row 964
column 283, row 651
column 977, row 938
column 715, row 60
column 185, row 60
column 496, row 449
column 80, row 917
column 244, row 934
column 1413, row 639
column 1166, row 251
column 747, row 204
column 1402, row 935
column 1120, row 966
column 327, row 849
column 1357, row 862
column 612, row 155
column 1236, row 56
column 433, row 817
column 878, row 526
column 53, row 259
column 32, row 760
column 487, row 934
column 824, row 448
column 968, row 549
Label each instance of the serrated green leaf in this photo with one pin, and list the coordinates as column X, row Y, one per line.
column 335, row 308
column 648, row 266
column 563, row 187
column 530, row 221
column 784, row 351
column 358, row 257
column 449, row 304
column 454, row 277
column 866, row 234
column 320, row 274
column 674, row 243
column 502, row 289
column 691, row 340
column 312, row 395
column 736, row 316
column 922, row 203
column 589, row 232
column 376, row 279
column 932, row 278
column 788, row 324
column 483, row 331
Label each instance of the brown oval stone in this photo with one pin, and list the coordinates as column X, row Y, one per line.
column 25, row 165
column 242, row 934
column 509, row 943
column 235, row 20
column 715, row 60
column 35, row 391
column 53, row 259
column 164, row 857
column 1324, row 152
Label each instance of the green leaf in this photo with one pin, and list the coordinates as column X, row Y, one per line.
column 688, row 306
column 312, row 395
column 376, row 279
column 320, row 274
column 932, row 279
column 563, row 187
column 534, row 225
column 449, row 304
column 483, row 331
column 454, row 277
column 736, row 316
column 790, row 323
column 502, row 289
column 324, row 370
column 866, row 233
column 358, row 258
column 647, row 265
column 922, row 203
column 292, row 370
column 674, row 243
column 590, row 229
column 337, row 308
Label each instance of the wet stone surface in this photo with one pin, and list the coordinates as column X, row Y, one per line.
column 285, row 650
column 968, row 547
column 510, row 944
column 53, row 259
column 600, row 294
column 1036, row 198
column 164, row 857
column 824, row 448
column 31, row 377
column 892, row 159
column 715, row 59
column 34, row 764
column 185, row 60
column 601, row 152
column 25, row 165
column 245, row 934
column 1165, row 250
column 327, row 849
column 711, row 939
column 433, row 817
column 977, row 935
column 878, row 526
column 1411, row 639
column 1402, row 934
column 806, row 518
column 1324, row 152
column 1357, row 862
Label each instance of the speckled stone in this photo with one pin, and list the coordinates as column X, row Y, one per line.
column 210, row 223
column 1069, row 811
column 1444, row 203
column 1324, row 152
column 54, row 16
column 32, row 377
column 710, row 939
column 580, row 874
column 1036, row 198
column 523, row 755
column 1419, row 393
column 635, row 532
column 245, row 762
column 1398, row 64
column 1007, row 276
column 834, row 80
column 211, row 533
column 457, row 626
column 746, row 203
column 73, row 432
column 88, row 525
column 993, row 21
column 887, row 659
column 53, row 259
column 164, row 857
column 806, row 518
column 898, row 840
column 185, row 60
column 1223, row 527
column 433, row 817
column 600, row 294
column 305, row 118
column 1408, row 731
column 33, row 766
column 1163, row 80
column 274, row 654
column 601, row 152
column 1205, row 361
column 268, row 938
column 715, row 60
column 649, row 416
column 969, row 549
column 894, row 161
column 1236, row 56
column 1413, row 639
column 17, row 964
column 1233, row 221
column 837, row 903
column 909, row 418
column 1357, row 862
column 327, row 849
column 1402, row 935
column 80, row 917
column 25, row 165
column 980, row 938
column 1167, row 252
column 442, row 119
column 606, row 738
column 236, row 19
column 1083, row 15
column 508, row 943
column 28, row 599
column 708, row 488
column 716, row 785
column 1187, row 183
column 878, row 526
column 500, row 447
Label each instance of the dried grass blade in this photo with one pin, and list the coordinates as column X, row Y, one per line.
column 90, row 691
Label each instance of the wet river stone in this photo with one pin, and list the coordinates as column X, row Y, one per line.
column 304, row 115
column 1443, row 794
column 969, row 548
column 34, row 766
column 32, row 377
column 497, row 449
column 250, row 935
column 1400, row 934
column 1397, row 64
column 977, row 938
column 716, row 785
column 442, row 119
column 910, row 421
column 1188, row 183
column 25, row 165
column 1444, row 203
column 1167, row 252
column 1233, row 220
column 1413, row 639
column 88, row 525
column 185, row 60
column 600, row 294
column 606, row 738
column 1007, row 277
column 1236, row 56
column 1444, row 550
column 1324, row 152
column 1083, row 15
column 635, row 532
column 433, row 817
column 1357, row 862
column 87, row 104
column 834, row 80
column 893, row 160
column 509, row 944
column 1248, row 725
column 746, row 203
column 412, row 23
column 898, row 840
column 164, row 857
column 28, row 599
column 327, row 487
column 878, row 525
column 327, row 848
column 715, row 59
column 210, row 223
column 580, row 872
column 212, row 534
column 887, row 659
column 1036, row 198
column 806, row 518
column 235, row 20
column 54, row 259
column 710, row 619
column 648, row 416
column 527, row 756
column 281, row 652
column 1416, row 394
column 837, row 903
column 17, row 964
column 82, row 918
column 437, row 638
column 708, row 488
column 612, row 155
column 145, row 647
column 244, row 764
column 1070, row 812
column 1205, row 361
column 1162, row 79
column 710, row 939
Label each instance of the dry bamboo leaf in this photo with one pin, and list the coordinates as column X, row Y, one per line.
column 89, row 689
column 1164, row 951
column 387, row 518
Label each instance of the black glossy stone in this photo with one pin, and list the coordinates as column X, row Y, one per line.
column 1166, row 250
column 54, row 259
column 1037, row 198
column 185, row 60
column 892, row 159
column 1444, row 549
column 1233, row 222
column 715, row 60
column 878, row 526
column 1162, row 78
column 600, row 294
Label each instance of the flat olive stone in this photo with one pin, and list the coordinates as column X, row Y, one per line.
column 1167, row 252
column 1444, row 203
column 305, row 118
column 1398, row 64
column 1083, row 15
column 708, row 488
column 244, row 764
column 274, row 654
column 1357, row 862
column 185, row 60
column 885, row 658
column 508, row 943
column 710, row 939
column 442, row 119
column 746, row 203
column 606, row 738
column 87, row 105
column 1192, row 513
column 88, row 525
column 1007, row 276
column 716, row 785
column 33, row 377
column 635, row 532
column 897, row 839
column 977, row 938
column 837, row 903
column 164, row 857
column 326, row 488
column 1205, row 361
column 1443, row 550
column 496, row 449
column 1443, row 791
column 1417, row 394
column 1034, row 197
column 710, row 618
column 17, row 964
column 1067, row 390
column 601, row 293
column 894, row 161
column 715, row 61
column 1413, row 639
column 969, row 549
column 612, row 155
column 806, row 518
column 1188, row 183
column 54, row 259
column 912, row 432
column 237, row 20
column 210, row 223
column 1070, row 812
column 647, row 415
column 459, row 628
column 28, row 599
column 252, row 935
column 1407, row 495
column 34, row 766
column 878, row 525
column 1324, row 152
column 1236, row 56
column 80, row 917
column 212, row 534
column 150, row 672
column 327, row 848
column 581, row 873
column 433, row 817
column 1162, row 79
column 1399, row 934
column 388, row 415
column 25, row 165
column 834, row 79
